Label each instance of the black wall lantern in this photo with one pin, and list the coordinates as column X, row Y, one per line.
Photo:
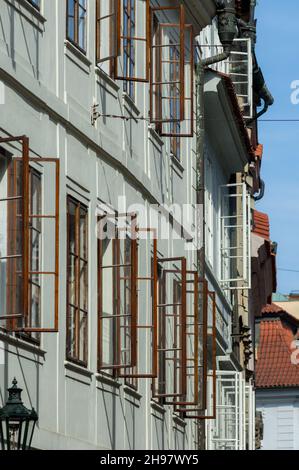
column 17, row 423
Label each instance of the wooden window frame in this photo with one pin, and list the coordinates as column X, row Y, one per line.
column 113, row 17
column 196, row 412
column 129, row 38
column 133, row 301
column 175, row 398
column 77, row 263
column 153, row 280
column 174, row 124
column 12, row 320
column 155, row 51
column 196, row 287
column 76, row 39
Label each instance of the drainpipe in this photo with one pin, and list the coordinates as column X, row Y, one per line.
column 262, row 191
column 227, row 29
column 259, row 85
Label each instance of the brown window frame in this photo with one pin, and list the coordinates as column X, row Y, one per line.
column 76, row 39
column 172, row 125
column 180, row 372
column 14, row 319
column 131, row 39
column 196, row 412
column 152, row 278
column 196, row 333
column 77, row 306
column 114, row 40
column 156, row 46
column 117, row 317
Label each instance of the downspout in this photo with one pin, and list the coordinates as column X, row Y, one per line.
column 262, row 191
column 259, row 85
column 227, row 29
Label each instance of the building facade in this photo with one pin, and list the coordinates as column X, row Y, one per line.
column 129, row 167
column 277, row 386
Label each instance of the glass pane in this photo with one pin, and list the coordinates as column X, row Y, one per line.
column 82, row 23
column 71, row 280
column 71, row 19
column 83, row 337
column 83, row 233
column 83, row 285
column 72, row 226
column 11, row 236
column 71, row 336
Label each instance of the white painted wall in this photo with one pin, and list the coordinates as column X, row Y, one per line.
column 280, row 410
column 49, row 90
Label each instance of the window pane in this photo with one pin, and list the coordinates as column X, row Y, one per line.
column 72, row 227
column 77, row 282
column 71, row 19
column 82, row 23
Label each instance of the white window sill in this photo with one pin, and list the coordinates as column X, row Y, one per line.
column 28, row 11
column 105, row 379
column 155, row 136
column 77, row 56
column 157, row 407
column 176, row 165
column 179, row 421
column 132, row 392
column 130, row 106
column 106, row 79
column 11, row 339
column 78, row 369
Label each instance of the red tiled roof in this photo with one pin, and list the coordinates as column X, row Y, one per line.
column 259, row 151
column 274, row 367
column 261, row 225
column 272, row 308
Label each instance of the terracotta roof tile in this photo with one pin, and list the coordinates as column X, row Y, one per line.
column 274, row 367
column 259, row 151
column 272, row 308
column 261, row 225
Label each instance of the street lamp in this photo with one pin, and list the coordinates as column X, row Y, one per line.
column 17, row 423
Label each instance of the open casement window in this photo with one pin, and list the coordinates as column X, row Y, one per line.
column 170, row 386
column 235, row 231
column 196, row 341
column 147, row 316
column 29, row 208
column 228, row 430
column 172, row 71
column 133, row 33
column 107, row 37
column 239, row 66
column 117, row 297
column 206, row 407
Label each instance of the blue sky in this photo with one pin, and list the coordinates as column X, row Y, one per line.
column 278, row 56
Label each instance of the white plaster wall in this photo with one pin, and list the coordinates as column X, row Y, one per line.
column 280, row 410
column 49, row 91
